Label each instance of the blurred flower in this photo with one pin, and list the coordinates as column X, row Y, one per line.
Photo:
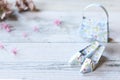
column 57, row 22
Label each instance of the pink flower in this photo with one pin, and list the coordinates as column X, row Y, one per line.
column 57, row 22
column 36, row 29
column 8, row 29
column 14, row 51
column 1, row 46
column 5, row 26
column 25, row 35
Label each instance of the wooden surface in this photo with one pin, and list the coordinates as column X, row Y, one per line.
column 43, row 55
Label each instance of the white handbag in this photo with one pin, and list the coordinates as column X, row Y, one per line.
column 92, row 29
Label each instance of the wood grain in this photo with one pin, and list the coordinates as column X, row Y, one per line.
column 41, row 57
column 42, row 60
column 49, row 32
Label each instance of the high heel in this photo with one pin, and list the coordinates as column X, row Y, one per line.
column 80, row 56
column 90, row 63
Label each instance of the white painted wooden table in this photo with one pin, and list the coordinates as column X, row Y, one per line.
column 43, row 55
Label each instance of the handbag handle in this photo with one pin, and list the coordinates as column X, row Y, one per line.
column 97, row 5
column 103, row 8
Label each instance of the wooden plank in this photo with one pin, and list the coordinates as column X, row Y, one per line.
column 51, row 51
column 49, row 61
column 57, row 71
column 49, row 32
column 68, row 11
column 72, row 5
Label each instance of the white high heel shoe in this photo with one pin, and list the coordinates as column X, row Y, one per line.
column 90, row 63
column 80, row 56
